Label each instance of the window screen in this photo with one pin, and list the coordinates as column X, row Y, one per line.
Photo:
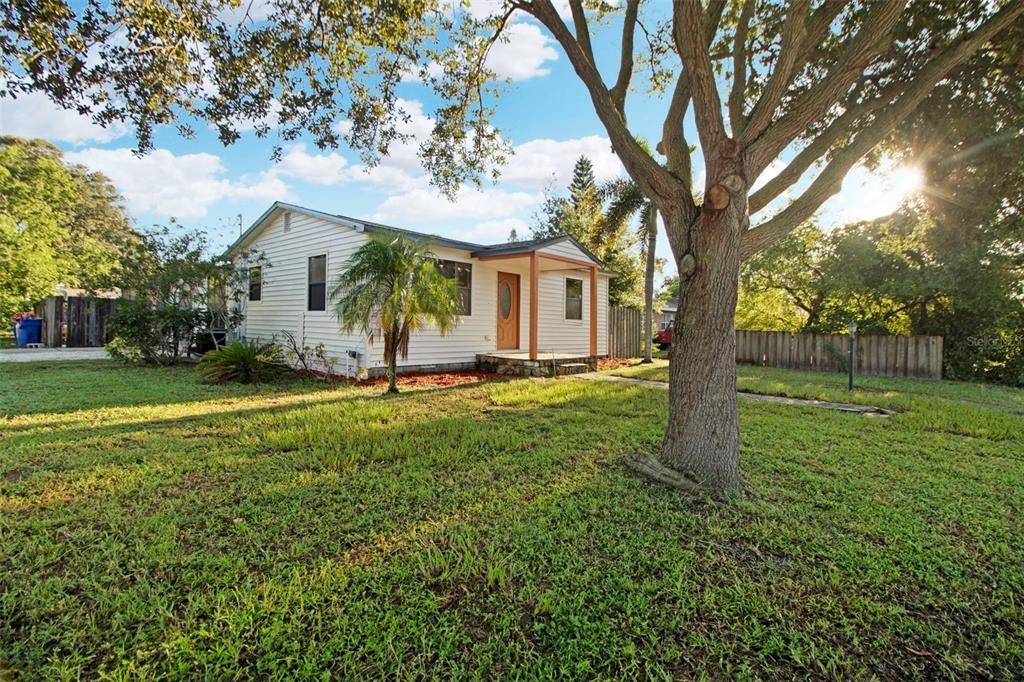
column 317, row 299
column 573, row 299
column 462, row 273
column 255, row 284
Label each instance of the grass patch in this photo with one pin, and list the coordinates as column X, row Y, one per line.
column 152, row 526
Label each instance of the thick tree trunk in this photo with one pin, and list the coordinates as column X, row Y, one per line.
column 702, row 438
column 652, row 242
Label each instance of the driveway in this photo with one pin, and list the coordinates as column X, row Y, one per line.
column 50, row 354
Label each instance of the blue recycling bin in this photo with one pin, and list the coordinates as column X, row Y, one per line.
column 29, row 331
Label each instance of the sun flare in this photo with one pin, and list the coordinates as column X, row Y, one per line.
column 869, row 194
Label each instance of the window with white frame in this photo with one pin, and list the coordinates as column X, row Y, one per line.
column 573, row 298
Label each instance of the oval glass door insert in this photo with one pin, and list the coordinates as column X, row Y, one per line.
column 505, row 300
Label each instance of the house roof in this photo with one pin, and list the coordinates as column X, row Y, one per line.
column 475, row 250
column 670, row 306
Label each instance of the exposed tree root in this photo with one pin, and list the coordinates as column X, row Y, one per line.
column 648, row 467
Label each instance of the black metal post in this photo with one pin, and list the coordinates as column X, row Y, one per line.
column 853, row 357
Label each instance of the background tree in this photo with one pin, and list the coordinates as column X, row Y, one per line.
column 176, row 289
column 836, row 77
column 627, row 202
column 59, row 225
column 581, row 215
column 392, row 288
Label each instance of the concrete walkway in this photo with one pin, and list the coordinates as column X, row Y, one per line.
column 865, row 410
column 51, row 354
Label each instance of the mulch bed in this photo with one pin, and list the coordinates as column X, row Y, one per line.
column 435, row 379
column 614, row 363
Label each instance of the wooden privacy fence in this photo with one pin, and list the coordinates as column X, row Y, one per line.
column 891, row 356
column 625, row 327
column 75, row 321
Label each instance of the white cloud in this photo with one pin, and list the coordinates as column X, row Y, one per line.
column 482, row 9
column 537, row 163
column 425, row 206
column 170, row 185
column 401, row 169
column 247, row 125
column 522, row 53
column 34, row 115
column 497, row 231
column 319, row 169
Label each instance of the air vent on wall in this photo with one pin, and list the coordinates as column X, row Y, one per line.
column 287, row 221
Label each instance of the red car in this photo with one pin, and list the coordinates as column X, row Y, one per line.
column 663, row 337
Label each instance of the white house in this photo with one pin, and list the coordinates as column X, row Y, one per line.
column 528, row 304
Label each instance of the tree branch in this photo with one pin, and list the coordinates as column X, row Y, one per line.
column 621, row 87
column 829, row 181
column 738, row 95
column 818, row 147
column 579, row 21
column 654, row 180
column 813, row 104
column 688, row 31
column 673, row 140
column 674, row 145
column 790, row 49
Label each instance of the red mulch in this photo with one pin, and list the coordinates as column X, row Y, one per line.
column 435, row 379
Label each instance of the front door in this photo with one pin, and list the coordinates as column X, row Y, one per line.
column 508, row 311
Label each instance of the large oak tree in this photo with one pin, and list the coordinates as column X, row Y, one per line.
column 826, row 79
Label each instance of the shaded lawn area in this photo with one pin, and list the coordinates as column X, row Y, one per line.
column 167, row 528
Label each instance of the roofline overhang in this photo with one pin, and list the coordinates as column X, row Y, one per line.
column 475, row 250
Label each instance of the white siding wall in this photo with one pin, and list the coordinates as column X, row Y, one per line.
column 559, row 335
column 566, row 249
column 283, row 304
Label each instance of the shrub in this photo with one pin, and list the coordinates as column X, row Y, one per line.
column 242, row 361
column 152, row 334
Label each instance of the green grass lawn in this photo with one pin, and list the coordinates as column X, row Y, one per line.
column 832, row 386
column 151, row 526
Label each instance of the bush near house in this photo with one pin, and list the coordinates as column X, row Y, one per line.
column 246, row 362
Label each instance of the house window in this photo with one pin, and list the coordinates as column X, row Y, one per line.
column 317, row 278
column 256, row 283
column 573, row 298
column 462, row 273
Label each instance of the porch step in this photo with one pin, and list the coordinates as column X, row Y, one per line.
column 572, row 368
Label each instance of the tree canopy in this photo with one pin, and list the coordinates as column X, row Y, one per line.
column 60, row 224
column 581, row 213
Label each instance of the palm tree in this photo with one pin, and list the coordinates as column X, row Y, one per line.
column 392, row 287
column 627, row 201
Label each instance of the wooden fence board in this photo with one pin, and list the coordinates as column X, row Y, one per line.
column 76, row 321
column 625, row 332
column 877, row 355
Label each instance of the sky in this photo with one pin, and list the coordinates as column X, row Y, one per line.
column 545, row 114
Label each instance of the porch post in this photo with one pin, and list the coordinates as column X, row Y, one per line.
column 593, row 311
column 534, row 297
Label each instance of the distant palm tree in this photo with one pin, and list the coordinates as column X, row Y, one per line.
column 626, row 201
column 393, row 287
